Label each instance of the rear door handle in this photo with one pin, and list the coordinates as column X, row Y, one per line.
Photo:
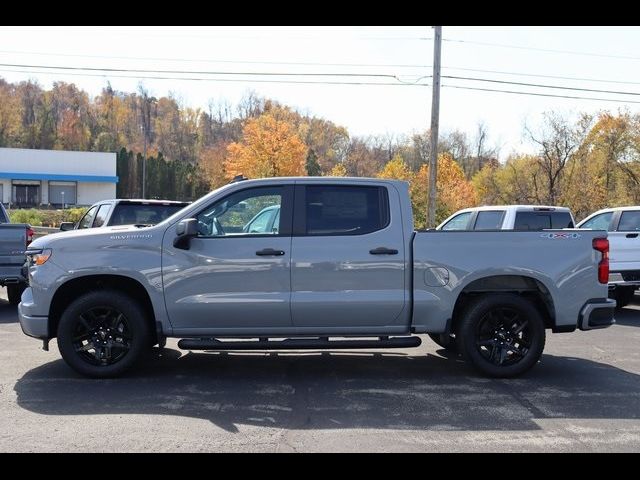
column 383, row 251
column 632, row 235
column 269, row 251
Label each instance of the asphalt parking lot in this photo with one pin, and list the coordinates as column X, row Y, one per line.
column 584, row 396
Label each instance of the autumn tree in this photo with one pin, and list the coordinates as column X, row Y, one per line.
column 338, row 170
column 557, row 140
column 396, row 169
column 312, row 165
column 454, row 191
column 269, row 148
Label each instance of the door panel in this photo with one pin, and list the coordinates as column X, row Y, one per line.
column 625, row 242
column 336, row 281
column 221, row 282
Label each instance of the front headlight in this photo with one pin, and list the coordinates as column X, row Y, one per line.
column 38, row 257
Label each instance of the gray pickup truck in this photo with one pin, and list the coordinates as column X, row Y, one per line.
column 341, row 268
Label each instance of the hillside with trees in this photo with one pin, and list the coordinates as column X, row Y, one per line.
column 585, row 163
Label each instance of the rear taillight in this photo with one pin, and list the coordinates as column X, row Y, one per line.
column 602, row 245
column 30, row 234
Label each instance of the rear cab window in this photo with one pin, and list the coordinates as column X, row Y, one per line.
column 142, row 213
column 542, row 220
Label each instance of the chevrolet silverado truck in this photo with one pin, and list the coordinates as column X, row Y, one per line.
column 14, row 240
column 342, row 268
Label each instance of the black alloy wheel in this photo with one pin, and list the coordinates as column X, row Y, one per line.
column 102, row 335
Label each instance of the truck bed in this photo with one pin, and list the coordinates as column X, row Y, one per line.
column 560, row 264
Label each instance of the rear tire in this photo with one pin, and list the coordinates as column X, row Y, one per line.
column 623, row 296
column 14, row 292
column 502, row 335
column 445, row 341
column 103, row 333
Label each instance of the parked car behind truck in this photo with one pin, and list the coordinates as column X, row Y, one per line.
column 623, row 225
column 14, row 240
column 108, row 213
column 343, row 269
column 509, row 217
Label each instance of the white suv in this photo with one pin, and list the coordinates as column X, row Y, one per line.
column 623, row 225
column 509, row 217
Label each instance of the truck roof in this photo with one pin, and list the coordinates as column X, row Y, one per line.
column 142, row 201
column 517, row 208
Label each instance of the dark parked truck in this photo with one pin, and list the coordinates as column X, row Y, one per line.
column 14, row 239
column 341, row 268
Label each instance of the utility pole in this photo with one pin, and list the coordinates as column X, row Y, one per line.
column 144, row 159
column 435, row 120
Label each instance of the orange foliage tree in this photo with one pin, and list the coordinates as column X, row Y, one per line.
column 269, row 148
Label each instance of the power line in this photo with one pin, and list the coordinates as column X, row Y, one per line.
column 546, row 50
column 323, row 64
column 202, row 60
column 237, row 80
column 311, row 74
column 540, row 94
column 324, row 82
column 191, row 72
column 538, row 75
column 524, row 84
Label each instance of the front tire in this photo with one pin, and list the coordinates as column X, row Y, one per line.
column 14, row 292
column 103, row 333
column 502, row 335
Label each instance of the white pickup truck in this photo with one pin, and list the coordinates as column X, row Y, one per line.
column 509, row 217
column 623, row 225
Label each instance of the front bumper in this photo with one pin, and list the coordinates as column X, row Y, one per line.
column 32, row 325
column 597, row 314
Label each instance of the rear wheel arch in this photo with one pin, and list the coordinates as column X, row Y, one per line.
column 529, row 288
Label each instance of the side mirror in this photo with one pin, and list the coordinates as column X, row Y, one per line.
column 185, row 230
column 66, row 226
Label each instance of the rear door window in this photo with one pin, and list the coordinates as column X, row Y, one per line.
column 489, row 220
column 345, row 210
column 629, row 222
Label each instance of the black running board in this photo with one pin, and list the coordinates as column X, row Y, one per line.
column 297, row 344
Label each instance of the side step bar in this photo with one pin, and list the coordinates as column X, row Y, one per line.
column 297, row 344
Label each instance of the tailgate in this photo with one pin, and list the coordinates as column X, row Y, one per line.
column 13, row 242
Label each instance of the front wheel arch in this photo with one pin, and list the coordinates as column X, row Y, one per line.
column 78, row 286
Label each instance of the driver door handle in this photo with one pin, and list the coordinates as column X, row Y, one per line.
column 632, row 235
column 269, row 252
column 383, row 251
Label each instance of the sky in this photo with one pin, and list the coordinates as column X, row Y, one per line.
column 597, row 58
